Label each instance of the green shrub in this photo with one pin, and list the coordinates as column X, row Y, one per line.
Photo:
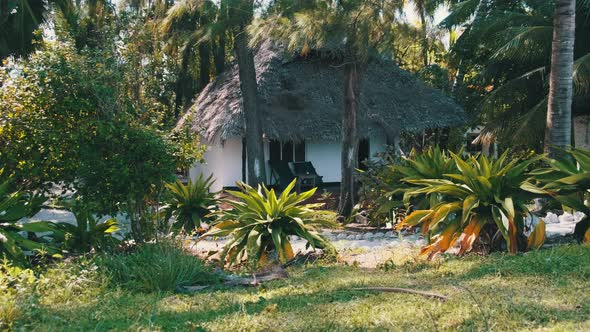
column 162, row 266
column 192, row 203
column 260, row 223
column 484, row 196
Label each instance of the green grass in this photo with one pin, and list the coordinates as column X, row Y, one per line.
column 544, row 290
column 162, row 266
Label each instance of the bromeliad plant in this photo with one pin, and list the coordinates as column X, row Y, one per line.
column 260, row 222
column 567, row 181
column 483, row 196
column 192, row 203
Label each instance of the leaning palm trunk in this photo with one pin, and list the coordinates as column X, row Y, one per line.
column 350, row 140
column 253, row 132
column 558, row 132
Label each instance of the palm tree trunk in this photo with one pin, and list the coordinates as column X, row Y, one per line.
column 350, row 139
column 253, row 132
column 558, row 131
column 204, row 65
column 181, row 81
column 219, row 54
column 424, row 36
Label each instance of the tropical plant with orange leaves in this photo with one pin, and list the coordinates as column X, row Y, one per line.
column 260, row 223
column 483, row 198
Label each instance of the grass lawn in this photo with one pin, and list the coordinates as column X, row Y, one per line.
column 544, row 290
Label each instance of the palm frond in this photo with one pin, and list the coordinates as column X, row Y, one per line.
column 582, row 75
column 524, row 44
column 460, row 13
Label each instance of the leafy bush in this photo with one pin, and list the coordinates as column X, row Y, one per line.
column 567, row 181
column 260, row 223
column 192, row 203
column 162, row 266
column 65, row 118
column 483, row 196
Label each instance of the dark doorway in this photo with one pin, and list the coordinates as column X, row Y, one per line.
column 286, row 151
column 363, row 153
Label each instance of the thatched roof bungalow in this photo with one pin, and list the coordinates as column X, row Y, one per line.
column 301, row 101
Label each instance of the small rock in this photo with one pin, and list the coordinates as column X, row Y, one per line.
column 350, row 237
column 368, row 236
column 358, row 237
column 341, row 236
column 551, row 218
column 361, row 218
column 578, row 216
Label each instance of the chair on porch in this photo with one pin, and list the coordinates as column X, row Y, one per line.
column 306, row 174
column 280, row 174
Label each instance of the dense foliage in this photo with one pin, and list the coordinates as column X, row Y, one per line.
column 260, row 223
column 502, row 61
column 92, row 141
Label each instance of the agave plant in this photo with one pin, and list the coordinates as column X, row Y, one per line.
column 567, row 181
column 483, row 195
column 260, row 222
column 15, row 205
column 431, row 164
column 192, row 203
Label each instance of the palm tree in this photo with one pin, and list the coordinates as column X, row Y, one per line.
column 186, row 29
column 425, row 10
column 350, row 31
column 506, row 53
column 558, row 131
column 204, row 26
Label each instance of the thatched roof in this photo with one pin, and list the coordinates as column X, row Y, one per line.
column 303, row 99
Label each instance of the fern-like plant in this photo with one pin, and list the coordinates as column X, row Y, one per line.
column 260, row 222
